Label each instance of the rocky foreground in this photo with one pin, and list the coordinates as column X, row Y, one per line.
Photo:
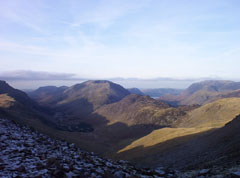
column 27, row 153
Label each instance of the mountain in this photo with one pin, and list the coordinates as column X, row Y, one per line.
column 219, row 147
column 104, row 117
column 157, row 92
column 47, row 95
column 215, row 114
column 16, row 102
column 96, row 92
column 136, row 109
column 204, row 92
column 9, row 93
column 72, row 107
column 16, row 105
column 167, row 146
column 136, row 91
column 114, row 117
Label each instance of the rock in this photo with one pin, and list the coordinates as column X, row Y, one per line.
column 51, row 161
column 160, row 172
column 118, row 174
column 59, row 173
column 108, row 164
column 21, row 169
column 235, row 174
column 40, row 166
column 204, row 171
column 2, row 167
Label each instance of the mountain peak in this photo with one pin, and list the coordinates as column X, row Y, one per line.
column 97, row 92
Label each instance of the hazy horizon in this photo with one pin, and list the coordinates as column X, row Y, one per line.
column 141, row 84
column 34, row 80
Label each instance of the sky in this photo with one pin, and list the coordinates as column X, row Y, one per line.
column 120, row 38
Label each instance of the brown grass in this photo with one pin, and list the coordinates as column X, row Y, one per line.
column 215, row 114
column 6, row 101
column 163, row 135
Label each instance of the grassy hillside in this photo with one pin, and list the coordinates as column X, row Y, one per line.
column 215, row 114
column 195, row 124
column 161, row 136
column 6, row 101
column 137, row 109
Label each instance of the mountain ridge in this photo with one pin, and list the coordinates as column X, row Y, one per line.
column 203, row 92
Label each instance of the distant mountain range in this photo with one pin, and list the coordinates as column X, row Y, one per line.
column 204, row 92
column 106, row 118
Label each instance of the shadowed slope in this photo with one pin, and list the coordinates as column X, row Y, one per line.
column 16, row 104
column 220, row 147
column 17, row 95
column 136, row 91
column 159, row 146
column 136, row 109
column 74, row 105
column 47, row 95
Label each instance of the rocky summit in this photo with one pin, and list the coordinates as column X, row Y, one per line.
column 27, row 153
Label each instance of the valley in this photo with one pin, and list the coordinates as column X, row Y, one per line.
column 105, row 118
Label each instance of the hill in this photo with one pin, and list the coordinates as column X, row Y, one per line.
column 16, row 105
column 204, row 92
column 220, row 147
column 72, row 107
column 215, row 114
column 7, row 92
column 134, row 127
column 136, row 109
column 47, row 95
column 199, row 123
column 93, row 93
column 97, row 92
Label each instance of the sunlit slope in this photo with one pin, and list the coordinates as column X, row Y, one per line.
column 6, row 101
column 196, row 123
column 215, row 114
column 161, row 136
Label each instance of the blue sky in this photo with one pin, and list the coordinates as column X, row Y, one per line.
column 122, row 38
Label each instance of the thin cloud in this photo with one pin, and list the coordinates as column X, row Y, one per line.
column 36, row 75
